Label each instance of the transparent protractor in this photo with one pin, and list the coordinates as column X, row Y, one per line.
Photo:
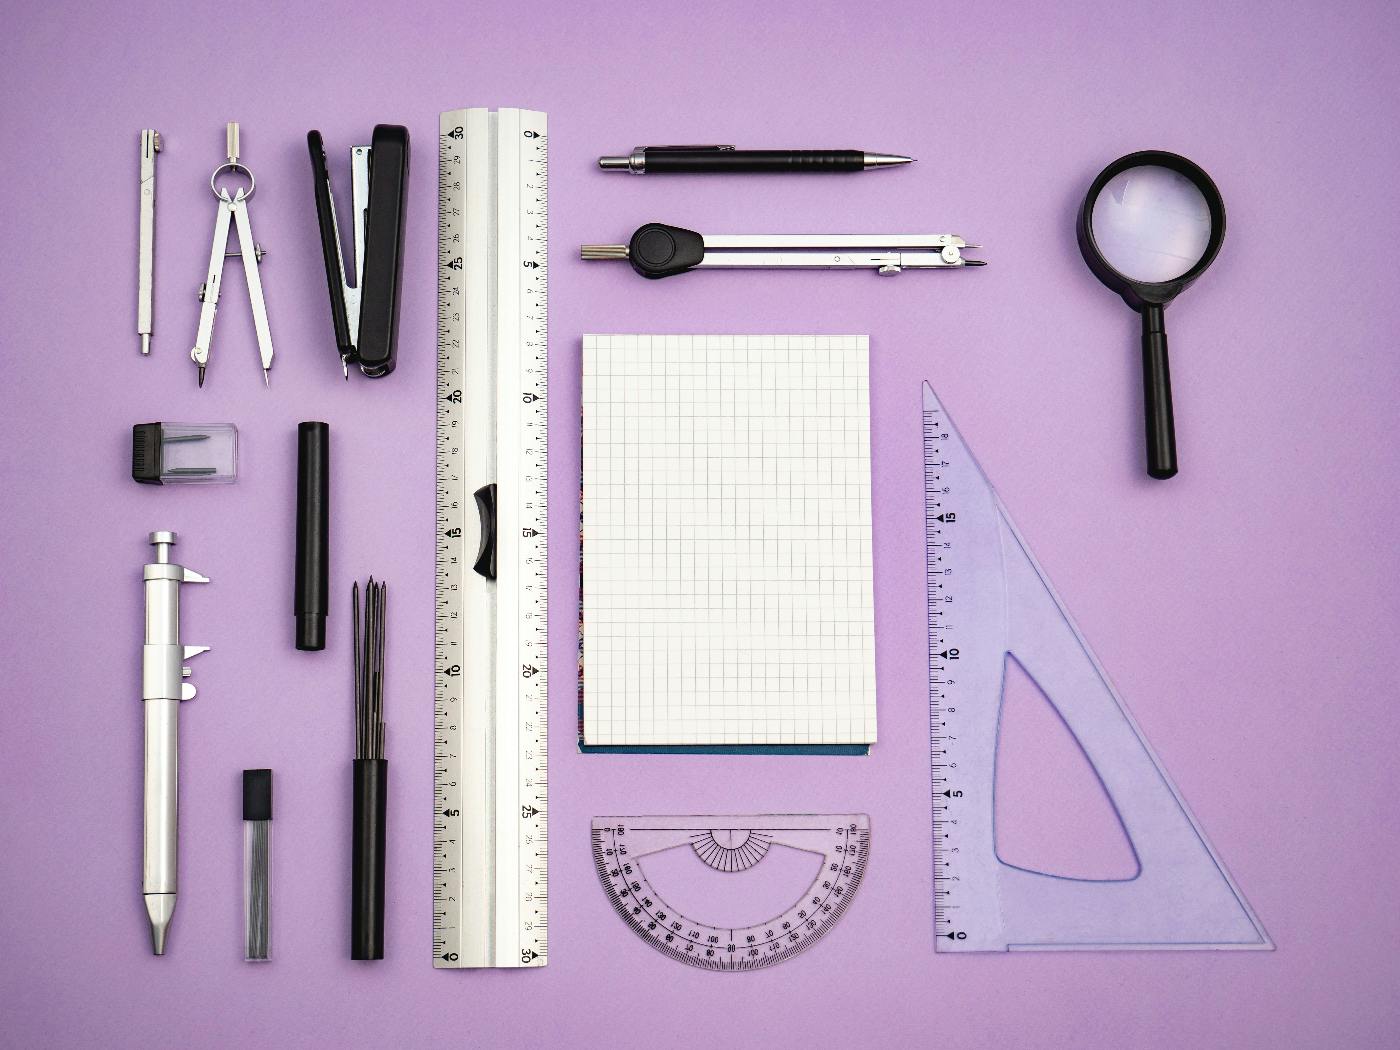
column 731, row 849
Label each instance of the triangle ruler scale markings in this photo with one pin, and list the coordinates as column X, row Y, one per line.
column 989, row 605
column 490, row 878
column 731, row 845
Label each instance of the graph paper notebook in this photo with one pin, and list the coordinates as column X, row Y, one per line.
column 726, row 544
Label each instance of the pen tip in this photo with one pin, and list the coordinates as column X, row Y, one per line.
column 201, row 376
column 159, row 908
column 266, row 382
column 885, row 160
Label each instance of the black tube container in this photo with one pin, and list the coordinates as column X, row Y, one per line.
column 313, row 534
column 367, row 859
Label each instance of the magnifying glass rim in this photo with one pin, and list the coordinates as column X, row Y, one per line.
column 1156, row 291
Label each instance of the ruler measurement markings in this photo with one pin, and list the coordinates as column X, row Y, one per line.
column 938, row 575
column 990, row 602
column 510, row 861
column 450, row 518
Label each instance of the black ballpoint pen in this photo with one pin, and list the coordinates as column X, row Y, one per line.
column 721, row 160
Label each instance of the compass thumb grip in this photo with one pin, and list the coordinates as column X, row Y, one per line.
column 657, row 250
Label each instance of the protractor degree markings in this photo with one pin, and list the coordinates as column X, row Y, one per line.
column 802, row 924
column 721, row 856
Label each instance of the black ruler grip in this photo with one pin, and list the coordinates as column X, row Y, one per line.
column 371, row 789
column 657, row 250
column 752, row 161
column 1157, row 394
column 486, row 510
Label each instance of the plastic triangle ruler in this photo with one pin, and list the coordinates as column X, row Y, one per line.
column 490, row 880
column 990, row 602
column 732, row 845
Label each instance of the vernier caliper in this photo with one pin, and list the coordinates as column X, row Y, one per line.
column 163, row 688
column 232, row 208
column 657, row 250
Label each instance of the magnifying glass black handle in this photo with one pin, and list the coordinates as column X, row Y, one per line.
column 1157, row 394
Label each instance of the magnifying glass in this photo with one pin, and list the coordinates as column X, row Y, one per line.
column 1150, row 225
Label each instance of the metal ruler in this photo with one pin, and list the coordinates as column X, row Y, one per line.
column 732, row 845
column 490, row 877
column 991, row 604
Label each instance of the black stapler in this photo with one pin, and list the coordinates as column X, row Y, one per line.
column 366, row 315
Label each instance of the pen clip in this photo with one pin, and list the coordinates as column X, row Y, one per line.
column 664, row 149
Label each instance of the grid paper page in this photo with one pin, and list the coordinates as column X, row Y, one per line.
column 726, row 540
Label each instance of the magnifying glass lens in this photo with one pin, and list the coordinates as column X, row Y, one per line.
column 1151, row 224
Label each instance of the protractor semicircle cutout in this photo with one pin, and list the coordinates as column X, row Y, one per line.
column 736, row 847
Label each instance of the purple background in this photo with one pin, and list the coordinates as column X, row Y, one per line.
column 1247, row 610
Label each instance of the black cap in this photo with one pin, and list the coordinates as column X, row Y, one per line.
column 145, row 453
column 313, row 534
column 257, row 794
